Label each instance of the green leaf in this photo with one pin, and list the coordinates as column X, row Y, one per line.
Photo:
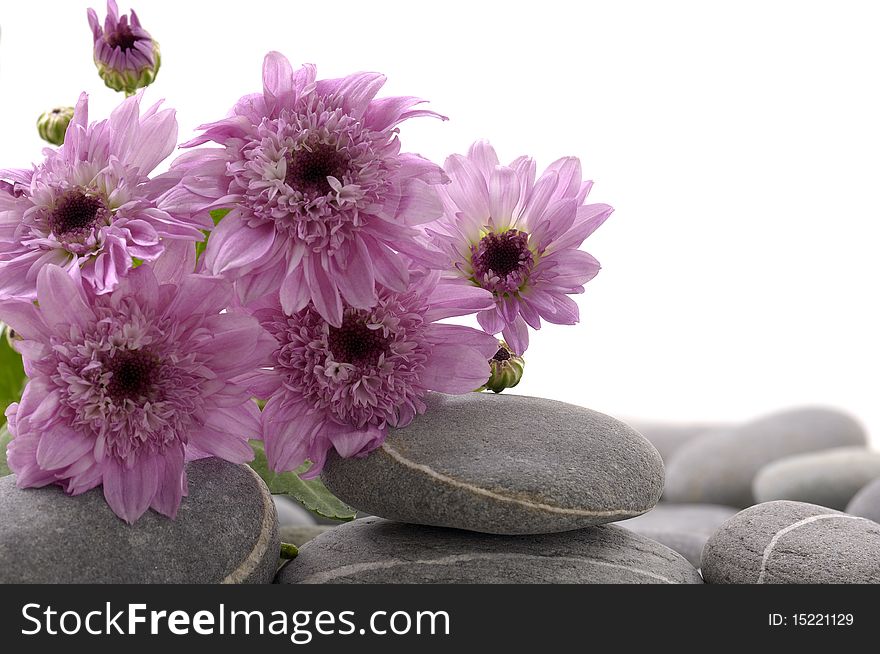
column 216, row 215
column 12, row 376
column 312, row 494
column 5, row 437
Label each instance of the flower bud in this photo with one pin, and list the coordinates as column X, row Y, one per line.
column 507, row 369
column 52, row 125
column 126, row 55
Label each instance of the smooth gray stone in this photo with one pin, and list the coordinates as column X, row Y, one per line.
column 719, row 468
column 787, row 542
column 301, row 534
column 828, row 478
column 503, row 464
column 226, row 531
column 373, row 550
column 668, row 437
column 866, row 503
column 291, row 512
column 684, row 528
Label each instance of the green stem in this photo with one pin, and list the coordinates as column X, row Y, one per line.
column 289, row 551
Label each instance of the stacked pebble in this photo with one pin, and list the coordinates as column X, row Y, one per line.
column 793, row 472
column 496, row 489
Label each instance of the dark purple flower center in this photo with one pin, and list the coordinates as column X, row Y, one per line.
column 308, row 170
column 502, row 262
column 133, row 375
column 501, row 355
column 355, row 343
column 122, row 38
column 75, row 214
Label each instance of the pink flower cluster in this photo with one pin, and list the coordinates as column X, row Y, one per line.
column 322, row 290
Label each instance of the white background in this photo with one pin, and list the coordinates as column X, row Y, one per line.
column 739, row 143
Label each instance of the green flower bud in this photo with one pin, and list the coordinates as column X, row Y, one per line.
column 53, row 124
column 507, row 369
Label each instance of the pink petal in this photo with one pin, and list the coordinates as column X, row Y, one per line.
column 468, row 188
column 454, row 299
column 456, row 369
column 228, row 447
column 157, row 138
column 62, row 301
column 574, row 268
column 199, row 294
column 172, row 482
column 23, row 317
column 419, row 203
column 484, row 157
column 129, row 491
column 516, row 335
column 354, row 276
column 234, row 246
column 349, row 441
column 390, row 270
column 538, row 198
column 243, row 420
column 287, row 435
column 357, row 91
column 491, row 321
column 503, row 196
column 569, row 172
column 485, row 343
column 325, row 295
column 177, row 259
column 294, row 293
column 589, row 219
column 277, row 79
column 559, row 217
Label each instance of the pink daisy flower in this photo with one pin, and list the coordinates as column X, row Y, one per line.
column 341, row 387
column 517, row 237
column 322, row 199
column 90, row 207
column 124, row 387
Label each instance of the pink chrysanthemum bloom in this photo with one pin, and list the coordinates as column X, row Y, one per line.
column 126, row 55
column 90, row 207
column 342, row 386
column 513, row 235
column 321, row 197
column 124, row 387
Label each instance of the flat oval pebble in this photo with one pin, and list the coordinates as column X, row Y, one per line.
column 373, row 550
column 787, row 542
column 226, row 531
column 668, row 437
column 828, row 478
column 719, row 468
column 684, row 528
column 866, row 502
column 503, row 464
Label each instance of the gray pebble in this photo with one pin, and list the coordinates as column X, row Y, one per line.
column 503, row 464
column 226, row 531
column 828, row 478
column 719, row 468
column 866, row 502
column 787, row 542
column 373, row 550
